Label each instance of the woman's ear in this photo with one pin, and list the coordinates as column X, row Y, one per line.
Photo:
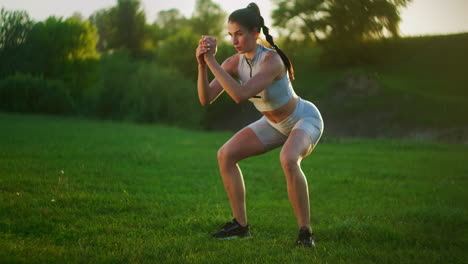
column 257, row 33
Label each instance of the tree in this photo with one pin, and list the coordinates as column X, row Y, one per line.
column 56, row 41
column 177, row 52
column 169, row 22
column 130, row 23
column 355, row 20
column 15, row 27
column 122, row 27
column 78, row 16
column 208, row 18
column 103, row 20
column 342, row 27
column 64, row 50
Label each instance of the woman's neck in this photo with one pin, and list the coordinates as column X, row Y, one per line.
column 250, row 55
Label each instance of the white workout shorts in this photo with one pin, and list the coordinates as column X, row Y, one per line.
column 306, row 116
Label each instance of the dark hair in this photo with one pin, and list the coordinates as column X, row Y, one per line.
column 250, row 18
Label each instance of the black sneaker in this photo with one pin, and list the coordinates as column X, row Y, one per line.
column 305, row 238
column 232, row 230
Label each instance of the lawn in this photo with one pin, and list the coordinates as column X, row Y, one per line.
column 82, row 191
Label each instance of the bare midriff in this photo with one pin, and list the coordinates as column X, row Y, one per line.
column 283, row 112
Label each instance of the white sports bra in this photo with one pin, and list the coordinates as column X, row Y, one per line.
column 275, row 95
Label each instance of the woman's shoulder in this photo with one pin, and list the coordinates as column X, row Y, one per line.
column 272, row 56
column 231, row 63
column 234, row 59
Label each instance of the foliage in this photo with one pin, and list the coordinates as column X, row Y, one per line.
column 427, row 87
column 169, row 22
column 179, row 36
column 341, row 26
column 123, row 27
column 55, row 49
column 24, row 93
column 65, row 50
column 328, row 19
column 15, row 27
column 178, row 50
column 143, row 92
column 103, row 21
column 130, row 25
column 411, row 91
column 208, row 18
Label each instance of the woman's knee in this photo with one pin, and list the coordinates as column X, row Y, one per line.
column 226, row 156
column 289, row 162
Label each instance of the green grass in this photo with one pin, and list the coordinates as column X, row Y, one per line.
column 80, row 191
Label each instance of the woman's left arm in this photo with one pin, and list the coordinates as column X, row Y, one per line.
column 270, row 69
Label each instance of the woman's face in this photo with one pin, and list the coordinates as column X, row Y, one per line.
column 242, row 39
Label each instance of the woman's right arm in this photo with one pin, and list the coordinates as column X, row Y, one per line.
column 207, row 92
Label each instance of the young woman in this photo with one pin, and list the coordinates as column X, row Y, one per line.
column 288, row 121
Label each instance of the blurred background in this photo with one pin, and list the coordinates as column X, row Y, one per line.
column 375, row 68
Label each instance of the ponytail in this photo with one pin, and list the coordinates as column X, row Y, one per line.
column 284, row 58
column 251, row 18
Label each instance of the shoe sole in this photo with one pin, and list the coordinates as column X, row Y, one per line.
column 234, row 237
column 301, row 244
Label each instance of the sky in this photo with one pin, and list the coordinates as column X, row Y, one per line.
column 421, row 17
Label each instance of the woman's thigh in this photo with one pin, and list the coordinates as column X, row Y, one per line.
column 298, row 146
column 243, row 144
column 255, row 139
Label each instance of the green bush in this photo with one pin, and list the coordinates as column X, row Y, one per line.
column 178, row 51
column 143, row 92
column 25, row 93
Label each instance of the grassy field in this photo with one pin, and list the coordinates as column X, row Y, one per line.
column 81, row 191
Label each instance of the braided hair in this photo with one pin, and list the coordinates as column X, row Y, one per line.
column 251, row 18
